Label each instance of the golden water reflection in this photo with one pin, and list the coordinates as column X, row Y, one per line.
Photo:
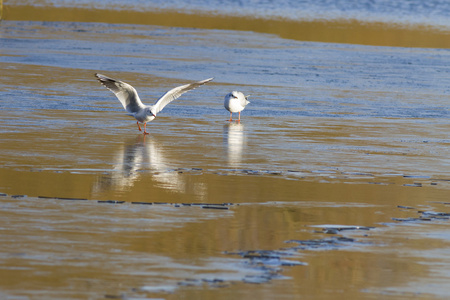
column 65, row 246
column 351, row 32
column 85, row 249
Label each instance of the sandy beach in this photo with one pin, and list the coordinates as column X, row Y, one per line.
column 334, row 185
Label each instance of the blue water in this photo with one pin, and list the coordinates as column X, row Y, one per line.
column 340, row 106
column 403, row 12
column 319, row 112
column 369, row 81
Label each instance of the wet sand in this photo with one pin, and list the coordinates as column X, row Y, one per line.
column 335, row 136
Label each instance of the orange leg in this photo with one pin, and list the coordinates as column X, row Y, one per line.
column 145, row 129
column 139, row 126
column 239, row 120
column 231, row 115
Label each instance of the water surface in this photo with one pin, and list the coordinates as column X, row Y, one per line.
column 401, row 23
column 336, row 135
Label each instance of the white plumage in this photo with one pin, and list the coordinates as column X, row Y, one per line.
column 130, row 100
column 235, row 102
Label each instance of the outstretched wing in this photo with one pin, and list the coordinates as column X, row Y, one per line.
column 174, row 94
column 126, row 94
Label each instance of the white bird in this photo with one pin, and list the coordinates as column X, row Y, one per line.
column 130, row 100
column 235, row 102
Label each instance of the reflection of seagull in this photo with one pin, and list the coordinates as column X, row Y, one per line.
column 129, row 98
column 234, row 137
column 128, row 161
column 235, row 102
column 146, row 154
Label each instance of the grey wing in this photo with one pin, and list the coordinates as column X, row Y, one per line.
column 174, row 94
column 126, row 94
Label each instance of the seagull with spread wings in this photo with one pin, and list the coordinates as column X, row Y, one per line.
column 130, row 100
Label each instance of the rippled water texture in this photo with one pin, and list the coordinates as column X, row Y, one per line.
column 334, row 185
column 402, row 23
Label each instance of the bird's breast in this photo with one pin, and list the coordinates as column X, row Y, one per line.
column 143, row 117
column 147, row 119
column 233, row 105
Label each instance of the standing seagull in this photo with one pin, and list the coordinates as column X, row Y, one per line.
column 129, row 98
column 235, row 102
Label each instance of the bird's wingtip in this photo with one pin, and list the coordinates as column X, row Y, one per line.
column 204, row 81
column 99, row 76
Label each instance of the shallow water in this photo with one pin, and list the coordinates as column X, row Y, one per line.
column 403, row 23
column 335, row 135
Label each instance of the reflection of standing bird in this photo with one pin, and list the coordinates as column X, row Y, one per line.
column 234, row 138
column 235, row 102
column 129, row 98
